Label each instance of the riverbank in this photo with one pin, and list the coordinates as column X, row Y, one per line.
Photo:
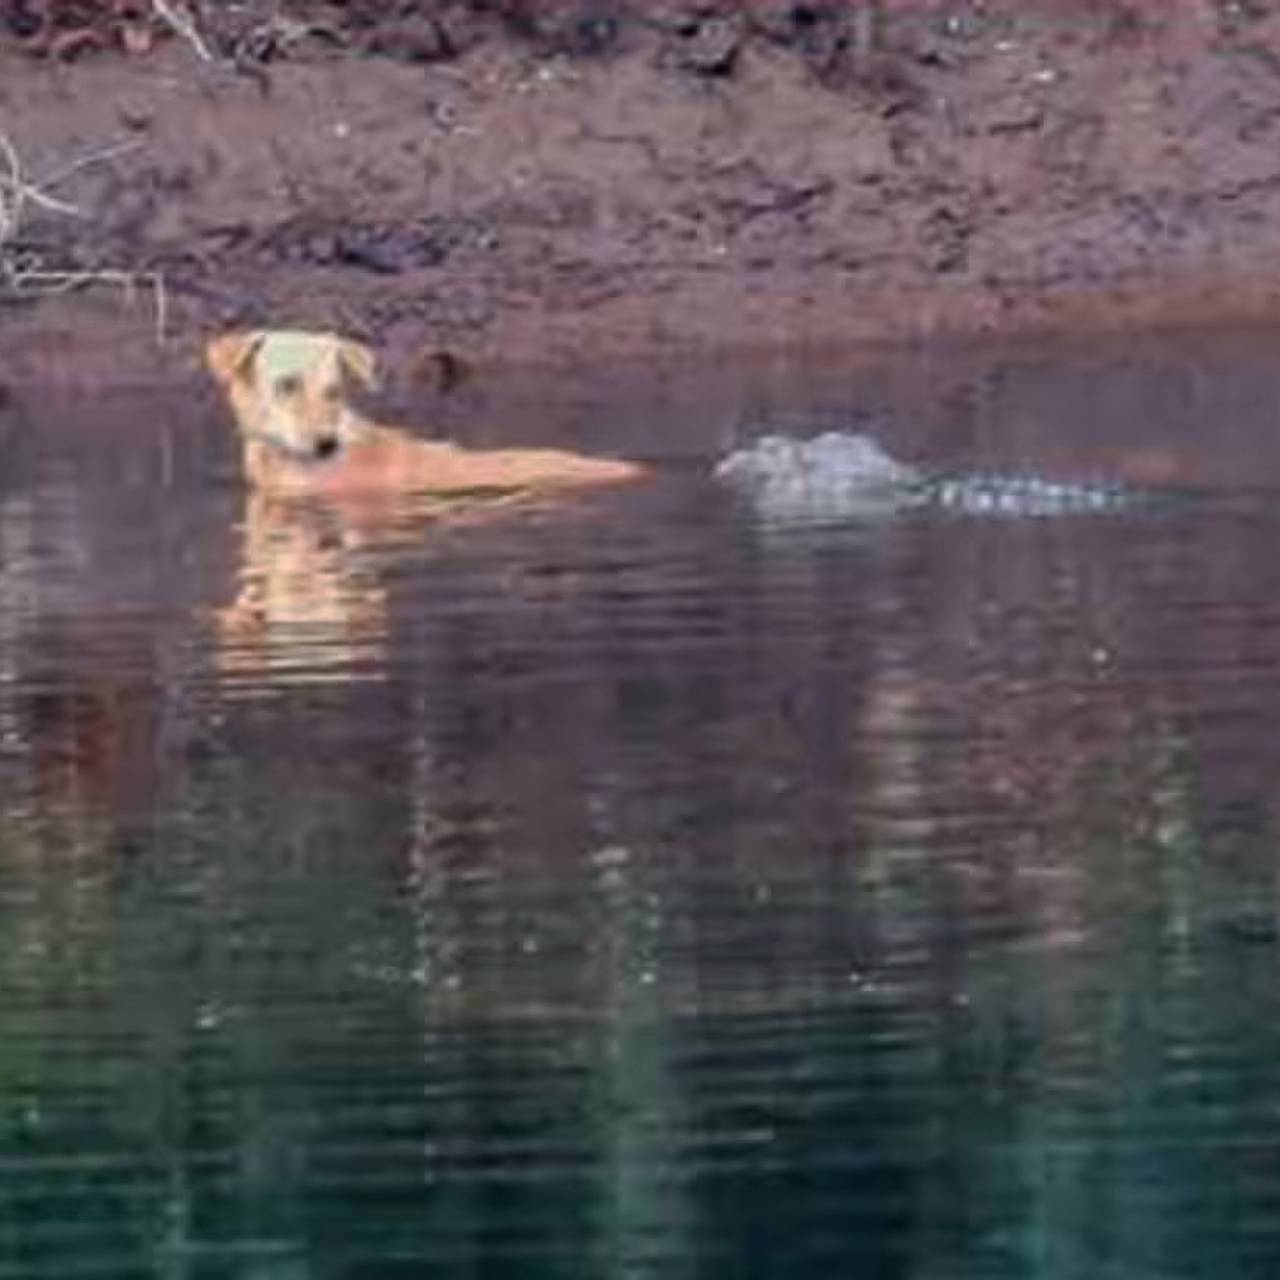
column 592, row 183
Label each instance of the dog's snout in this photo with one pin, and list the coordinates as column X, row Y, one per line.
column 326, row 446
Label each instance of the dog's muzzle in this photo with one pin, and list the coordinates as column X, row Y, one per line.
column 324, row 447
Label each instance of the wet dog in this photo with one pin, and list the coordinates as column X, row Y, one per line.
column 289, row 393
column 331, row 494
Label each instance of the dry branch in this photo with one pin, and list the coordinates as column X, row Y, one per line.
column 184, row 25
column 27, row 275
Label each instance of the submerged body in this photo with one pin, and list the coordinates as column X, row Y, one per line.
column 374, row 459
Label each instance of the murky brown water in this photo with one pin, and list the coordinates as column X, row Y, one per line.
column 631, row 890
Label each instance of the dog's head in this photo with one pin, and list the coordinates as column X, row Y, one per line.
column 290, row 388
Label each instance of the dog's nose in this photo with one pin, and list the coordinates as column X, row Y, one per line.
column 326, row 446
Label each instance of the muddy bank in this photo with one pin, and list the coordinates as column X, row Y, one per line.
column 556, row 182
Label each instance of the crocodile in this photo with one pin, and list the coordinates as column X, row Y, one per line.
column 847, row 476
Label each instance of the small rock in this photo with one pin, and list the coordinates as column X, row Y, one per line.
column 136, row 118
column 322, row 249
column 439, row 370
column 709, row 46
column 370, row 255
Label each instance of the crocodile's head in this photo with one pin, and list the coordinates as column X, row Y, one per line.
column 834, row 455
column 836, row 473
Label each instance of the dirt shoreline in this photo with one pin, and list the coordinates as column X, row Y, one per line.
column 696, row 183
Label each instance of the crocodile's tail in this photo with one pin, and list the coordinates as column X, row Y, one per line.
column 1015, row 495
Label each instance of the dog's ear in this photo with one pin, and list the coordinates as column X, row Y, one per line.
column 359, row 361
column 229, row 355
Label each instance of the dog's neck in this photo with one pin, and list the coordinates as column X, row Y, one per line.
column 268, row 466
column 267, row 463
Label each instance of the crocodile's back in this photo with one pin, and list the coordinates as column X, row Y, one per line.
column 1025, row 496
column 846, row 476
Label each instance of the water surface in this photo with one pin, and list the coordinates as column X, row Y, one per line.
column 629, row 888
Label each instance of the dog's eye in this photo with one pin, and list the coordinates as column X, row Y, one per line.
column 332, row 394
column 289, row 385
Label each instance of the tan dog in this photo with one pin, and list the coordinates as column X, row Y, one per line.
column 310, row 605
column 288, row 391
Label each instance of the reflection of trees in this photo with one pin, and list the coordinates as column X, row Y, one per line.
column 873, row 900
column 1061, row 897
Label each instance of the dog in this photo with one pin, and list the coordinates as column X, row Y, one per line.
column 300, row 435
column 331, row 493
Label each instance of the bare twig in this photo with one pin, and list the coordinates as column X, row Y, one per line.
column 184, row 24
column 15, row 190
column 94, row 157
column 35, row 281
column 26, row 274
column 38, row 280
column 9, row 203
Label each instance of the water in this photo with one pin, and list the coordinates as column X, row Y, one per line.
column 635, row 889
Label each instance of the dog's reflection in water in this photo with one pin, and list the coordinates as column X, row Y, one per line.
column 311, row 599
column 308, row 608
